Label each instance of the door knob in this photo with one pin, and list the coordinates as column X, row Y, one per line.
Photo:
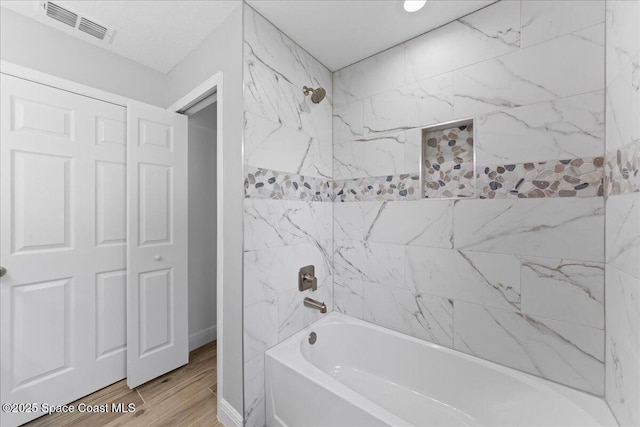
column 3, row 271
column 157, row 257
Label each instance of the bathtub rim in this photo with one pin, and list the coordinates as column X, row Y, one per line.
column 289, row 353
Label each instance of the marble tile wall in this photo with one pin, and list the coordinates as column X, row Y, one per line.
column 622, row 269
column 525, row 112
column 519, row 281
column 288, row 194
column 517, row 277
column 505, row 263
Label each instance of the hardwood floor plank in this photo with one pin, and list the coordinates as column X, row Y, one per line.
column 115, row 393
column 190, row 411
column 182, row 397
column 169, row 403
column 210, row 419
column 200, row 360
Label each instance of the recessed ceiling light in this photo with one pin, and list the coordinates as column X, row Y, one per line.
column 414, row 5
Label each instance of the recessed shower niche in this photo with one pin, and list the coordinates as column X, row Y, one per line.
column 447, row 160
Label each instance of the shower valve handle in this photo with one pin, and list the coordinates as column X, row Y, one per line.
column 310, row 280
column 307, row 278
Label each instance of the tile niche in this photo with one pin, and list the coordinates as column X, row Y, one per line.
column 447, row 160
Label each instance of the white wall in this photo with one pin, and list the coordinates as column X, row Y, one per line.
column 222, row 51
column 26, row 42
column 202, row 227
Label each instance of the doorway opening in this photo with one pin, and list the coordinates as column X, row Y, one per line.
column 202, row 222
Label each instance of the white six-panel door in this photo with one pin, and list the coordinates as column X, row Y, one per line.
column 96, row 288
column 157, row 247
column 63, row 242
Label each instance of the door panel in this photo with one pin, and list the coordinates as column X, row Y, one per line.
column 41, row 319
column 155, row 201
column 63, row 234
column 158, row 136
column 157, row 333
column 44, row 222
column 110, row 131
column 111, row 315
column 111, row 206
column 37, row 117
column 156, row 311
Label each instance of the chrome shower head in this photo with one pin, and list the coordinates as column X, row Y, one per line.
column 317, row 95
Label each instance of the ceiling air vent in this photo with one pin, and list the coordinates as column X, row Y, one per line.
column 90, row 27
column 60, row 14
column 76, row 21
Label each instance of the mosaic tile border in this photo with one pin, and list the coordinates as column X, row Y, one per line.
column 563, row 178
column 623, row 170
column 262, row 183
column 380, row 188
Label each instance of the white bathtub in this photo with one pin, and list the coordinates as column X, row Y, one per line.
column 359, row 374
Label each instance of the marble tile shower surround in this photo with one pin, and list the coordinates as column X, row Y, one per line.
column 288, row 171
column 484, row 82
column 623, row 346
column 283, row 129
column 376, row 135
column 265, row 141
column 486, row 33
column 564, row 128
column 274, row 223
column 622, row 232
column 515, row 280
column 518, row 278
column 622, row 268
column 378, row 155
column 543, row 297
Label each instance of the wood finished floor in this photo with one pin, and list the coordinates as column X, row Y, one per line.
column 184, row 397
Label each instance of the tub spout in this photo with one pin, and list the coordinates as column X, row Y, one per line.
column 308, row 302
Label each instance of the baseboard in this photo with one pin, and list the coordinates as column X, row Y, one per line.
column 202, row 337
column 227, row 415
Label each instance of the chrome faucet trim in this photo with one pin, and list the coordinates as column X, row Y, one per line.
column 311, row 303
column 307, row 278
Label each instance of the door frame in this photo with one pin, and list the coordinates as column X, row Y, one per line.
column 213, row 87
column 213, row 84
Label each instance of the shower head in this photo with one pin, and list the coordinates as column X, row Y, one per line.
column 317, row 94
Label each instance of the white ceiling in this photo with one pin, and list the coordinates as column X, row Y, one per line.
column 158, row 34
column 339, row 33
